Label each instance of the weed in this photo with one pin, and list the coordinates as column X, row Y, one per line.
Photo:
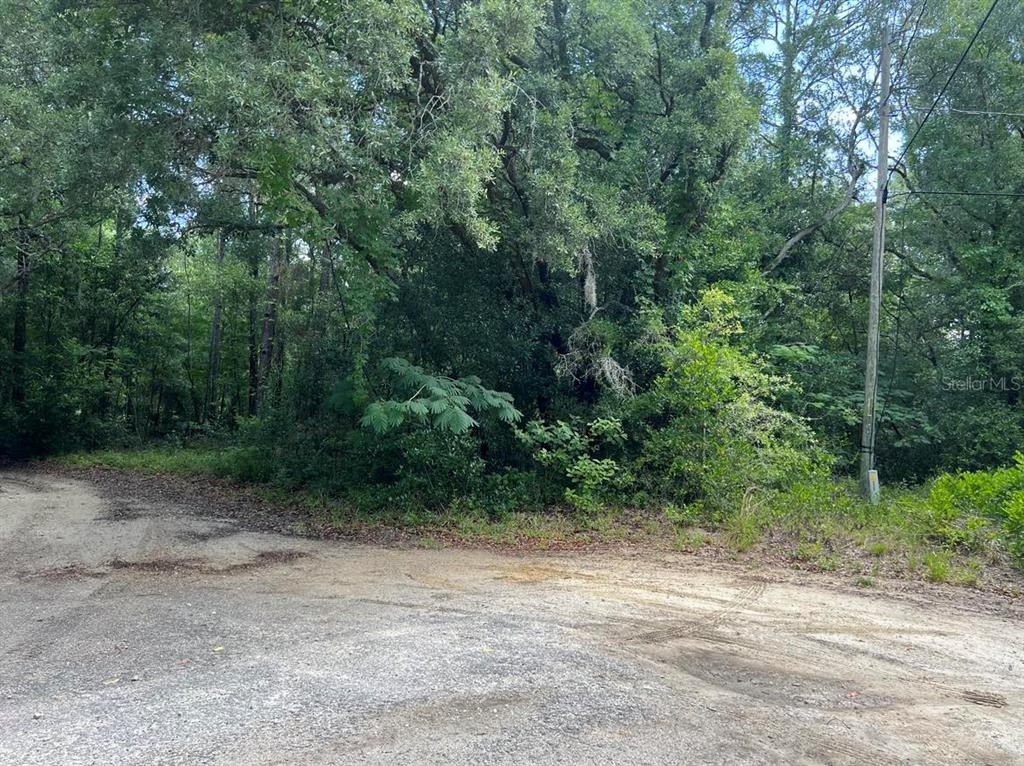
column 742, row 530
column 808, row 551
column 937, row 565
column 878, row 548
column 968, row 574
column 690, row 540
column 828, row 562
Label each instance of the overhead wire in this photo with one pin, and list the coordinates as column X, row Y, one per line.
column 903, row 154
column 977, row 112
column 953, row 193
column 942, row 91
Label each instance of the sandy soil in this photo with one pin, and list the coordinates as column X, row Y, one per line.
column 140, row 631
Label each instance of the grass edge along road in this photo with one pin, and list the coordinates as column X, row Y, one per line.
column 958, row 529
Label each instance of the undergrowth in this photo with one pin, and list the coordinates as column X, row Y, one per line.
column 952, row 530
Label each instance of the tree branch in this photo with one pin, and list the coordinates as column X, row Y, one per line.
column 831, row 215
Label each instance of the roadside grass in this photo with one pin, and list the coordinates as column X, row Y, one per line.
column 829, row 528
column 460, row 521
column 239, row 463
column 819, row 526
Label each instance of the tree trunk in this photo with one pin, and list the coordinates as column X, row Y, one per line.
column 268, row 327
column 326, row 275
column 588, row 282
column 213, row 368
column 559, row 11
column 660, row 281
column 20, row 332
column 708, row 28
column 110, row 336
column 254, row 370
column 787, row 93
column 193, row 395
column 280, row 334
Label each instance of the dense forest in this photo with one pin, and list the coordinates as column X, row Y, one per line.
column 521, row 253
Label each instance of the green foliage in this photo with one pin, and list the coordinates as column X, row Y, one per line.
column 435, row 401
column 967, row 509
column 710, row 429
column 579, row 457
column 214, row 224
column 1013, row 524
column 593, row 481
column 419, row 470
column 937, row 566
column 744, row 528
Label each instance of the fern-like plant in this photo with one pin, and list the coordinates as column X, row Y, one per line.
column 434, row 401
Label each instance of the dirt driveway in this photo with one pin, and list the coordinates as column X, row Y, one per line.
column 143, row 633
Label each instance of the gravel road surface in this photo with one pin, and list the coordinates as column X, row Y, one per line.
column 139, row 632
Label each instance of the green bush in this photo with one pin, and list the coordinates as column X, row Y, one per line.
column 708, row 428
column 579, row 458
column 966, row 509
column 1013, row 524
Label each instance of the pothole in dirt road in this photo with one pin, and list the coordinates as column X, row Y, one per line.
column 164, row 565
column 121, row 512
column 218, row 532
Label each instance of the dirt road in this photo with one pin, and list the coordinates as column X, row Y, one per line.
column 142, row 633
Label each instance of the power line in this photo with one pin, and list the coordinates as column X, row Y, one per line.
column 955, row 193
column 978, row 112
column 986, row 113
column 913, row 37
column 942, row 92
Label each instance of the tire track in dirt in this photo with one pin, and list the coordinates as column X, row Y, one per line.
column 770, row 668
column 747, row 597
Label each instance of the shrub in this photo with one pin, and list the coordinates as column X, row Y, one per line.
column 708, row 427
column 579, row 459
column 1013, row 524
column 966, row 509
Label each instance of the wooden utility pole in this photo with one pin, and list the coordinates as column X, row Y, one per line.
column 868, row 475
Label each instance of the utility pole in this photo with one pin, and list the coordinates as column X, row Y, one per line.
column 868, row 476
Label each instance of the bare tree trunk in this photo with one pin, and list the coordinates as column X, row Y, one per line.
column 159, row 403
column 277, row 365
column 588, row 281
column 269, row 325
column 20, row 331
column 193, row 395
column 788, row 86
column 213, row 368
column 254, row 370
column 280, row 330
